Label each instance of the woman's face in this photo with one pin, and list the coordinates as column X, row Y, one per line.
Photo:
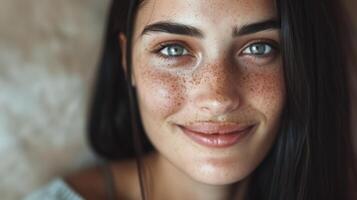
column 210, row 84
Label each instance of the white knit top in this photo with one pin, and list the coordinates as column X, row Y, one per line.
column 55, row 190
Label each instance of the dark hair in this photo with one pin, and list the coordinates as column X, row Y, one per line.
column 312, row 157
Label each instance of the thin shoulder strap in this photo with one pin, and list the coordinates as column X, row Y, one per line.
column 109, row 182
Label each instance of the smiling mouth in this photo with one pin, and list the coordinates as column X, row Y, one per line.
column 216, row 134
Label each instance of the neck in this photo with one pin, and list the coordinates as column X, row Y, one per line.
column 165, row 181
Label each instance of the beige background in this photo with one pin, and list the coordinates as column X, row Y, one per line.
column 48, row 51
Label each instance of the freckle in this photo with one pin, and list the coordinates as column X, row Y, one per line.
column 245, row 78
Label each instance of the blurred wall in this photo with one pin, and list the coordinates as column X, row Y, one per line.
column 48, row 51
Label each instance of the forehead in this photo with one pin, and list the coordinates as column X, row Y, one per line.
column 206, row 12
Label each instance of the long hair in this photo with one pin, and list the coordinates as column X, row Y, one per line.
column 312, row 157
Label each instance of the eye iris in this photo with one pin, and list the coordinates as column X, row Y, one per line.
column 175, row 50
column 259, row 49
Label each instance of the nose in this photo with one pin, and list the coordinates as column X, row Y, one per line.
column 217, row 90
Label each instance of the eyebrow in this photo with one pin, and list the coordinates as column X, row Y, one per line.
column 182, row 29
column 256, row 27
column 173, row 28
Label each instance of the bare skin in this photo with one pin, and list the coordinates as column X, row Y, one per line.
column 222, row 72
column 91, row 184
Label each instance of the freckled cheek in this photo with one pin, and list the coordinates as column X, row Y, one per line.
column 266, row 92
column 160, row 93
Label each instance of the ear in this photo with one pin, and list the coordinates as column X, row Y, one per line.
column 123, row 44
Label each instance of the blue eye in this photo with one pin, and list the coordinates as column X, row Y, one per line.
column 258, row 49
column 173, row 50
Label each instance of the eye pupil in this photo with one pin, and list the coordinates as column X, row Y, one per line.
column 258, row 49
column 175, row 50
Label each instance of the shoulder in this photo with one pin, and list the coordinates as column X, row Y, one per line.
column 92, row 183
column 89, row 183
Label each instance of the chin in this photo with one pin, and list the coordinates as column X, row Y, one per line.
column 214, row 175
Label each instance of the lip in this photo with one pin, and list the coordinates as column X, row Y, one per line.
column 217, row 135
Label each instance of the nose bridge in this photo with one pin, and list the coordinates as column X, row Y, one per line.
column 216, row 88
column 217, row 76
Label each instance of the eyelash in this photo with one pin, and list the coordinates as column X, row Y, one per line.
column 271, row 44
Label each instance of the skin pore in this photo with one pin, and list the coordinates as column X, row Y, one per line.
column 214, row 61
column 206, row 61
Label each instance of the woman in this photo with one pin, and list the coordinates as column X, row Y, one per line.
column 222, row 99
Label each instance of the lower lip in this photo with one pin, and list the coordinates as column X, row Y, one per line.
column 217, row 140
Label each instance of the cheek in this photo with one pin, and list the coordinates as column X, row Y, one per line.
column 266, row 92
column 160, row 93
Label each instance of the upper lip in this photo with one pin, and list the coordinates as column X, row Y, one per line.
column 215, row 128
